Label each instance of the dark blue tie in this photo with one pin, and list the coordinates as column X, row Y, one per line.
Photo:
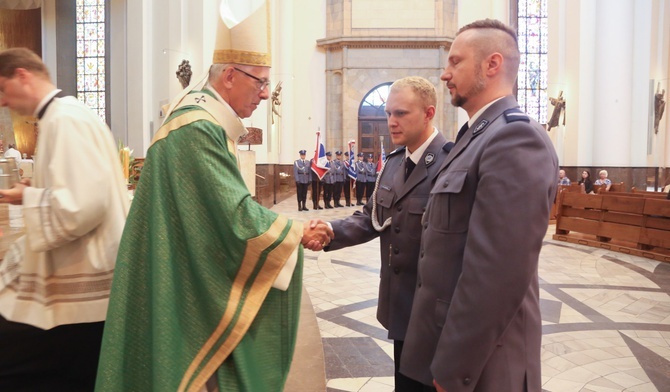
column 409, row 166
column 464, row 129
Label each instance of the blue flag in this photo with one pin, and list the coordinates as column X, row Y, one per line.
column 351, row 170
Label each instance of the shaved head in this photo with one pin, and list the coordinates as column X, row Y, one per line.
column 490, row 36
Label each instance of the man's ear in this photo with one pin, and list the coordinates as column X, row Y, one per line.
column 494, row 63
column 430, row 112
column 227, row 77
column 21, row 74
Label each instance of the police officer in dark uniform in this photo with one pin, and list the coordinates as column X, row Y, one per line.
column 395, row 210
column 302, row 173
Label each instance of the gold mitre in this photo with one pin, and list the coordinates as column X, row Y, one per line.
column 243, row 33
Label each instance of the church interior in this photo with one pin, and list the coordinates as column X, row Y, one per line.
column 594, row 73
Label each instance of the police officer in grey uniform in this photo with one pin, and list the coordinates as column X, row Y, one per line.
column 340, row 176
column 302, row 172
column 360, row 167
column 395, row 209
column 346, row 186
column 328, row 181
column 370, row 177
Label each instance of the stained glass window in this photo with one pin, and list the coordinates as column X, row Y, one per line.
column 90, row 27
column 533, row 42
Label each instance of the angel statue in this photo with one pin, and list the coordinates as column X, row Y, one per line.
column 276, row 102
column 659, row 107
column 559, row 108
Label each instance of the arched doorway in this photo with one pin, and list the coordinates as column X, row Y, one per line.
column 373, row 129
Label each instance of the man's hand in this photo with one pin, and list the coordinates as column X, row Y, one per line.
column 317, row 234
column 14, row 195
column 438, row 387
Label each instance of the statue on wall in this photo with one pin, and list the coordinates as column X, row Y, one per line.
column 559, row 108
column 184, row 73
column 276, row 101
column 659, row 107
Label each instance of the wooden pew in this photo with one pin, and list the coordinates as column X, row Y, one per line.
column 658, row 195
column 630, row 224
column 616, row 187
column 574, row 187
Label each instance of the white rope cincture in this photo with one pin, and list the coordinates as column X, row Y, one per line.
column 375, row 221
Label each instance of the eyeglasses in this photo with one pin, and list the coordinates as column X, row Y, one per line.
column 261, row 84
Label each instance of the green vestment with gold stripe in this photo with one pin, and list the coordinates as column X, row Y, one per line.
column 191, row 295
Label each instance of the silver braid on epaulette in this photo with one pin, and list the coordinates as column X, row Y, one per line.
column 375, row 221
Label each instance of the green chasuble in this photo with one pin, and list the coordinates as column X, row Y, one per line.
column 191, row 295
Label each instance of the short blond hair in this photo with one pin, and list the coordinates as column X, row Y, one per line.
column 603, row 171
column 423, row 88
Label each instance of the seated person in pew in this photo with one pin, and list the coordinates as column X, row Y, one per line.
column 603, row 180
column 586, row 182
column 562, row 179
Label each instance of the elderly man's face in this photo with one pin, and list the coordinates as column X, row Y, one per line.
column 561, row 173
column 250, row 85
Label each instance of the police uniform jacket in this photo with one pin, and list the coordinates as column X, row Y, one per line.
column 370, row 172
column 340, row 170
column 476, row 322
column 302, row 171
column 360, row 167
column 403, row 202
column 329, row 177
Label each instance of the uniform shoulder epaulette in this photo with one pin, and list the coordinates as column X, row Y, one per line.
column 395, row 152
column 515, row 114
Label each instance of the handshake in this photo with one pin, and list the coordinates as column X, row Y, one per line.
column 317, row 234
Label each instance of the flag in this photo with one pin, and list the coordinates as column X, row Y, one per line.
column 382, row 159
column 351, row 169
column 319, row 161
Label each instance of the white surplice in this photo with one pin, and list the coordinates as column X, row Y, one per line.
column 60, row 272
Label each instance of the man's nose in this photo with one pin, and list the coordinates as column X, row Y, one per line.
column 445, row 75
column 265, row 93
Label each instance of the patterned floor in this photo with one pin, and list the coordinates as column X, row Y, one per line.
column 606, row 316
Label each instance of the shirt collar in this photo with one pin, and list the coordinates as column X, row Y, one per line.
column 45, row 100
column 418, row 153
column 474, row 118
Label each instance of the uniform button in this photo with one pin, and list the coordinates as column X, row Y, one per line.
column 381, row 200
column 466, row 381
column 422, row 254
column 396, row 250
column 425, row 226
column 418, row 284
column 446, row 184
column 397, row 229
column 396, row 270
column 400, row 207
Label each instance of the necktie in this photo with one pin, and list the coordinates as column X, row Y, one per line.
column 462, row 131
column 409, row 166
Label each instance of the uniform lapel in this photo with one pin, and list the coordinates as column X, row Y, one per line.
column 479, row 127
column 421, row 170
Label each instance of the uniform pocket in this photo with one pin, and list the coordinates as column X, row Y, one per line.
column 384, row 197
column 449, row 211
